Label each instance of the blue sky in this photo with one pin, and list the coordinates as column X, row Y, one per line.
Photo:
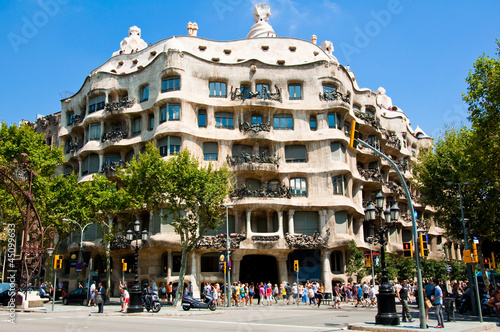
column 419, row 51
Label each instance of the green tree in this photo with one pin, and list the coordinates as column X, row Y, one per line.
column 391, row 266
column 356, row 262
column 458, row 271
column 432, row 268
column 406, row 268
column 193, row 195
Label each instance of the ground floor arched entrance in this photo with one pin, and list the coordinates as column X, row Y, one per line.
column 258, row 268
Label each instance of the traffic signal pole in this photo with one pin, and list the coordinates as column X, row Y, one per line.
column 423, row 320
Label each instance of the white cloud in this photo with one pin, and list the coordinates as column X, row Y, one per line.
column 333, row 6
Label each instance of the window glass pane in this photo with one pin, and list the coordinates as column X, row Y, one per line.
column 210, row 150
column 217, row 89
column 163, row 114
column 263, row 89
column 136, row 126
column 171, row 83
column 339, row 185
column 313, row 123
column 95, row 131
column 298, row 187
column 338, row 151
column 224, row 120
column 329, row 88
column 283, row 121
column 174, row 111
column 202, row 118
column 151, row 122
column 256, row 119
column 93, row 163
column 332, row 120
column 238, row 149
column 145, row 93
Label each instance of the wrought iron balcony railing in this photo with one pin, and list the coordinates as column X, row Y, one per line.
column 243, row 93
column 279, row 192
column 334, row 95
column 255, row 127
column 244, row 158
column 118, row 105
column 114, row 136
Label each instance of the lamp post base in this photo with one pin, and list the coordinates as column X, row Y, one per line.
column 386, row 306
column 135, row 304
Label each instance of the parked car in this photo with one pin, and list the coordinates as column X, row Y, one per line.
column 79, row 295
column 4, row 293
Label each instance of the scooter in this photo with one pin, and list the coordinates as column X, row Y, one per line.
column 188, row 302
column 151, row 301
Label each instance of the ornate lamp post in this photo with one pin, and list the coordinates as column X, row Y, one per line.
column 386, row 304
column 135, row 291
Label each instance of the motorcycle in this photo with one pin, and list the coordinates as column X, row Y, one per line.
column 151, row 301
column 188, row 302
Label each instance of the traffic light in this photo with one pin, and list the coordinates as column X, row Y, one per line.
column 474, row 253
column 296, row 265
column 354, row 135
column 487, row 264
column 467, row 255
column 57, row 262
column 407, row 249
column 424, row 252
column 368, row 260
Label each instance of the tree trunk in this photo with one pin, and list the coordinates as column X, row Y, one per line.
column 182, row 272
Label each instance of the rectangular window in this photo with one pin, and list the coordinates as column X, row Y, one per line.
column 295, row 154
column 95, row 131
column 298, row 186
column 171, row 83
column 338, row 151
column 144, row 93
column 313, row 122
column 202, row 118
column 137, row 126
column 112, row 158
column 96, row 103
column 224, row 120
column 339, row 185
column 170, row 112
column 169, row 145
column 218, row 89
column 329, row 88
column 210, row 150
column 306, row 222
column 295, row 91
column 245, row 91
column 256, row 119
column 283, row 122
column 334, row 120
column 336, row 262
column 341, row 222
column 263, row 90
column 151, row 122
column 71, row 117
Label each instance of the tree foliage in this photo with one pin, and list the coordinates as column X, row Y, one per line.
column 432, row 268
column 191, row 194
column 356, row 262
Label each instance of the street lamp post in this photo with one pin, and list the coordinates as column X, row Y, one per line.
column 386, row 304
column 135, row 291
column 228, row 255
column 81, row 248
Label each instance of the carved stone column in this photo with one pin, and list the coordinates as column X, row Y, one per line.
column 249, row 224
column 235, row 267
column 280, row 225
column 282, row 270
column 326, row 273
column 291, row 224
column 322, row 222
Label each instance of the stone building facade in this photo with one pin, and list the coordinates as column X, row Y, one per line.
column 278, row 111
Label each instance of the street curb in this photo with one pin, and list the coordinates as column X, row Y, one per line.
column 374, row 328
column 181, row 313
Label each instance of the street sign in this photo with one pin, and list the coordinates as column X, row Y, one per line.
column 475, row 239
column 79, row 267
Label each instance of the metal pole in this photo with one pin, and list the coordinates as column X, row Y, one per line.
column 54, row 291
column 423, row 320
column 477, row 294
column 228, row 248
column 371, row 261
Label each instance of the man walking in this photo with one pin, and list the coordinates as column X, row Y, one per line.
column 438, row 303
column 100, row 297
column 404, row 293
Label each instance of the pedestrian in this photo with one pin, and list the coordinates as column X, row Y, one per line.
column 269, row 294
column 310, row 294
column 100, row 297
column 276, row 293
column 360, row 296
column 336, row 297
column 124, row 299
column 366, row 294
column 319, row 294
column 169, row 292
column 295, row 293
column 494, row 302
column 262, row 293
column 404, row 294
column 438, row 303
column 163, row 292
column 251, row 293
column 92, row 295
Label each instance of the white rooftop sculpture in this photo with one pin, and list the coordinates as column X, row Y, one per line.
column 132, row 43
column 383, row 100
column 261, row 28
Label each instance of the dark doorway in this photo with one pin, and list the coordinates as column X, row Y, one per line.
column 258, row 268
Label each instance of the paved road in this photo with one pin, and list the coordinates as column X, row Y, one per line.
column 275, row 318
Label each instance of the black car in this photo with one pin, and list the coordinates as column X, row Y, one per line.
column 79, row 295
